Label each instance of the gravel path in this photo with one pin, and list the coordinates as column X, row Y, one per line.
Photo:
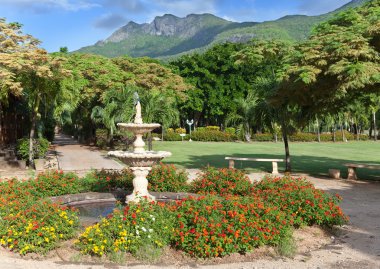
column 76, row 157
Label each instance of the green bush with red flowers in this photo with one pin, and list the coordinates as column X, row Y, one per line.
column 128, row 229
column 235, row 216
column 29, row 221
column 213, row 226
column 166, row 178
column 108, row 180
column 223, row 181
column 300, row 200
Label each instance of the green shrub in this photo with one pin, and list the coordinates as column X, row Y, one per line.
column 303, row 137
column 171, row 136
column 230, row 130
column 54, row 183
column 40, row 148
column 223, row 181
column 263, row 137
column 31, row 223
column 106, row 180
column 101, row 136
column 300, row 200
column 212, row 136
column 214, row 227
column 129, row 229
column 212, row 128
column 180, row 131
column 166, row 178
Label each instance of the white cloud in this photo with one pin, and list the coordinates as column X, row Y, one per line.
column 110, row 21
column 184, row 7
column 46, row 5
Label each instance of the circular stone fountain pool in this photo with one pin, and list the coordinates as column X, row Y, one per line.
column 92, row 206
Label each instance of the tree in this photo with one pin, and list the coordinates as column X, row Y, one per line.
column 270, row 58
column 216, row 80
column 24, row 67
column 338, row 64
column 244, row 116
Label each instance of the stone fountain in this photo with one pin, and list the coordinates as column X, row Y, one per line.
column 139, row 160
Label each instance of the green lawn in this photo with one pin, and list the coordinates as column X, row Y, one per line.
column 309, row 158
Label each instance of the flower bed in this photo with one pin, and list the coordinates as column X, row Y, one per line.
column 166, row 178
column 29, row 222
column 234, row 216
column 222, row 181
column 128, row 229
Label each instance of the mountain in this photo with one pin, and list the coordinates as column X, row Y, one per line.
column 169, row 36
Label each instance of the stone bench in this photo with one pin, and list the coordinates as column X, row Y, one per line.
column 231, row 162
column 352, row 169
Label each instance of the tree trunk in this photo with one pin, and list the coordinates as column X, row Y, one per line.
column 288, row 167
column 318, row 132
column 247, row 136
column 334, row 134
column 33, row 131
column 1, row 125
column 374, row 126
column 150, row 145
column 343, row 135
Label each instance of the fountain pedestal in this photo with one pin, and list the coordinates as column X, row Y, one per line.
column 140, row 185
column 139, row 160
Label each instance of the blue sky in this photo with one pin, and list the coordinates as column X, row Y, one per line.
column 78, row 23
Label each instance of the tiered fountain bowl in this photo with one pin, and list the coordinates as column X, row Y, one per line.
column 139, row 160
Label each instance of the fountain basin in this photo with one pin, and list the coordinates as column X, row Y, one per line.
column 139, row 128
column 137, row 159
column 92, row 206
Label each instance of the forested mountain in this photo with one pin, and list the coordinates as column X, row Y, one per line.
column 170, row 36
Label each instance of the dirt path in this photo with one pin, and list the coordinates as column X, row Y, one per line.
column 76, row 157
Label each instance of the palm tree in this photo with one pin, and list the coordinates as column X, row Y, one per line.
column 244, row 115
column 161, row 108
column 118, row 107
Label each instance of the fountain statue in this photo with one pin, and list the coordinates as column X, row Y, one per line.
column 139, row 160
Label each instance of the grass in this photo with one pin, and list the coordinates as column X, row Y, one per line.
column 309, row 158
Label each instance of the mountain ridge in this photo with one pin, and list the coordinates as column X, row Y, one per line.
column 169, row 36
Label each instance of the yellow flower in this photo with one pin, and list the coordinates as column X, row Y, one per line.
column 47, row 239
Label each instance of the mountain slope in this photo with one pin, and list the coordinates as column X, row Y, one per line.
column 168, row 36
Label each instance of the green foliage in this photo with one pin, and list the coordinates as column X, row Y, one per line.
column 337, row 64
column 101, row 136
column 263, row 137
column 208, row 135
column 166, row 178
column 54, row 183
column 31, row 223
column 230, row 130
column 180, row 131
column 301, row 200
column 40, row 148
column 217, row 81
column 214, row 227
column 172, row 136
column 222, row 181
column 287, row 246
column 106, row 180
column 128, row 229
